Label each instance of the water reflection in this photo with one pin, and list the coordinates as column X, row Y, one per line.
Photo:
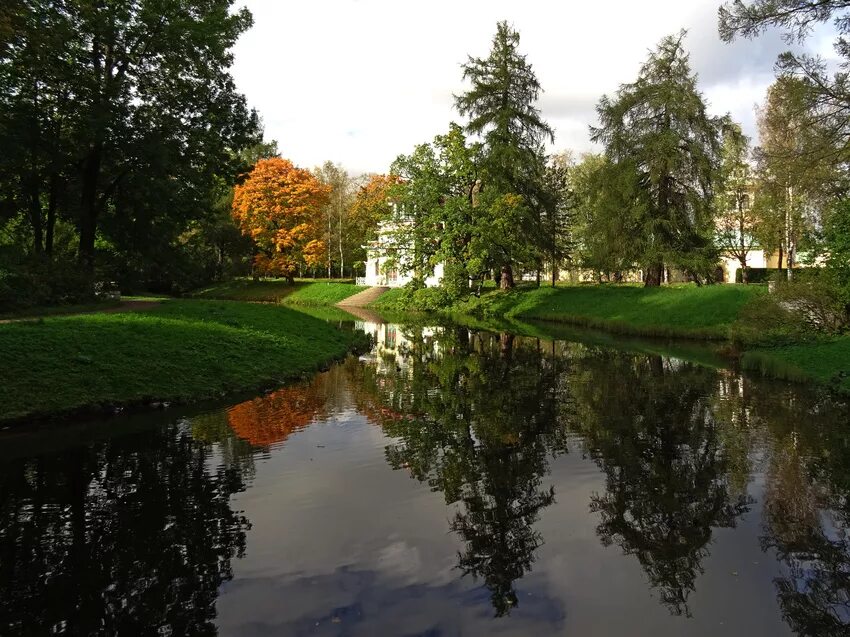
column 479, row 416
column 806, row 522
column 137, row 533
column 473, row 415
column 650, row 425
column 132, row 535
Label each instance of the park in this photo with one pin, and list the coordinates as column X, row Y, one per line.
column 544, row 368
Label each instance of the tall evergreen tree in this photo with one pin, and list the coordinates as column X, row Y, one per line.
column 660, row 125
column 501, row 108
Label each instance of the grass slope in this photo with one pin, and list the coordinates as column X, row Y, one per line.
column 279, row 291
column 179, row 351
column 826, row 362
column 689, row 311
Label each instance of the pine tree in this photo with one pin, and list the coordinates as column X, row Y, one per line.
column 660, row 125
column 501, row 108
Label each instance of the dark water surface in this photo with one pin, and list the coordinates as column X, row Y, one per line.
column 452, row 482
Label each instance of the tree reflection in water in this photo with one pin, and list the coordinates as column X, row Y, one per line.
column 131, row 536
column 807, row 513
column 134, row 534
column 478, row 417
column 650, row 426
column 474, row 417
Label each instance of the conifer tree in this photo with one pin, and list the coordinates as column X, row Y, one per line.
column 659, row 125
column 500, row 104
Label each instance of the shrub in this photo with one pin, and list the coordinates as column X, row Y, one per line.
column 798, row 309
column 758, row 275
column 431, row 299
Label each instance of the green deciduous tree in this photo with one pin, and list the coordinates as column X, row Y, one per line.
column 605, row 237
column 827, row 96
column 659, row 125
column 736, row 218
column 437, row 215
column 788, row 184
column 343, row 189
column 119, row 111
column 559, row 206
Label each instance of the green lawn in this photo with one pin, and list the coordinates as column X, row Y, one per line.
column 302, row 292
column 827, row 362
column 389, row 300
column 322, row 293
column 178, row 351
column 688, row 311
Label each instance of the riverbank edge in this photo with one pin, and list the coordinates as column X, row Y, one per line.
column 831, row 369
column 354, row 342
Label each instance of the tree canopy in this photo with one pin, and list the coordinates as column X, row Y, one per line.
column 658, row 127
column 279, row 206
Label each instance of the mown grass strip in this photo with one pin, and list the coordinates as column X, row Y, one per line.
column 313, row 293
column 179, row 351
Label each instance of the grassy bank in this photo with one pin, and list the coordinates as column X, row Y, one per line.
column 826, row 362
column 179, row 351
column 711, row 312
column 308, row 293
column 683, row 311
column 50, row 310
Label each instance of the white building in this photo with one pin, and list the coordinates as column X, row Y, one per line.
column 380, row 271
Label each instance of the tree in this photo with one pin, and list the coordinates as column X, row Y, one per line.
column 736, row 221
column 436, row 215
column 370, row 207
column 279, row 206
column 341, row 187
column 659, row 126
column 501, row 108
column 558, row 211
column 118, row 99
column 785, row 177
column 827, row 98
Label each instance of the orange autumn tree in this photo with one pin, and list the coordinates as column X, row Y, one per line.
column 279, row 206
column 372, row 202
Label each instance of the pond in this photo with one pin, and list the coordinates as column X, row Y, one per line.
column 452, row 481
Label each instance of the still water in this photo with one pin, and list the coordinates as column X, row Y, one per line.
column 451, row 482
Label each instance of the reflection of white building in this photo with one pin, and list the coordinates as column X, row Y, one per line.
column 380, row 268
column 392, row 348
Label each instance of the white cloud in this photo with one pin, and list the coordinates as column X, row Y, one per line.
column 362, row 81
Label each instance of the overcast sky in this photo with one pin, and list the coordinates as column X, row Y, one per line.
column 361, row 81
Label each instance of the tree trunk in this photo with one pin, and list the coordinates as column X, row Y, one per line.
column 36, row 220
column 506, row 279
column 781, row 255
column 654, row 272
column 52, row 205
column 744, row 277
column 89, row 205
column 554, row 273
column 497, row 278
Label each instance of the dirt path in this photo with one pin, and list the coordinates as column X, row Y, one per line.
column 364, row 298
column 124, row 306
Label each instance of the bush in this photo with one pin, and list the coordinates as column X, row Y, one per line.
column 799, row 309
column 758, row 275
column 431, row 299
column 31, row 282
